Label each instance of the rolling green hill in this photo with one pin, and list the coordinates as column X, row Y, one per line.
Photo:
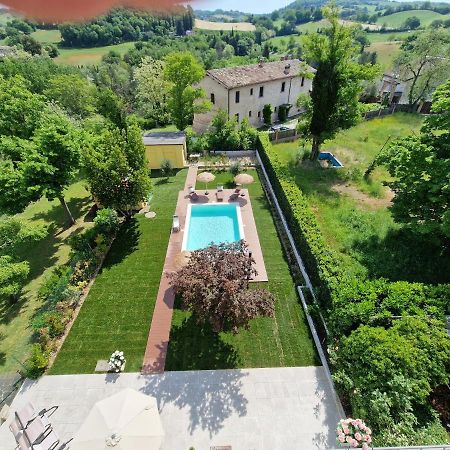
column 396, row 20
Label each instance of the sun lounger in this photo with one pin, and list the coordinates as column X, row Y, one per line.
column 219, row 187
column 191, row 190
column 175, row 223
column 49, row 442
column 219, row 195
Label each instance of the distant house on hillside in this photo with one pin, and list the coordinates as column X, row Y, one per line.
column 244, row 91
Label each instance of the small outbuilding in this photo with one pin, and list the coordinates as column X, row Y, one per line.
column 166, row 145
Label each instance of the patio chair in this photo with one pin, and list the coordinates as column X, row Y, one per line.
column 220, row 187
column 33, row 433
column 191, row 190
column 219, row 195
column 27, row 414
column 175, row 223
column 193, row 196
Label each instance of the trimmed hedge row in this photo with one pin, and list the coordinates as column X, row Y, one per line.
column 322, row 263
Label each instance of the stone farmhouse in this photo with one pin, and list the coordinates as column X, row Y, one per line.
column 244, row 91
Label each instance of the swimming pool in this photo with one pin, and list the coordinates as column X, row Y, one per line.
column 214, row 223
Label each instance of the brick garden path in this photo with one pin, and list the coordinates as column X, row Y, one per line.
column 158, row 339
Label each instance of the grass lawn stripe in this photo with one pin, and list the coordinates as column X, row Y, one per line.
column 118, row 310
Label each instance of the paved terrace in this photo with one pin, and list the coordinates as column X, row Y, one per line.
column 158, row 340
column 250, row 409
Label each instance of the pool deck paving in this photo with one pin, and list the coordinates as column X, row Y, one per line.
column 158, row 339
column 292, row 408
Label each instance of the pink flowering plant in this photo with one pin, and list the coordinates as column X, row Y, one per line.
column 354, row 433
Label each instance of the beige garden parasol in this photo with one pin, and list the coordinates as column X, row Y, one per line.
column 128, row 420
column 243, row 178
column 181, row 260
column 206, row 177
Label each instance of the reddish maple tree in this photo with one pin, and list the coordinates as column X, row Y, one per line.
column 214, row 286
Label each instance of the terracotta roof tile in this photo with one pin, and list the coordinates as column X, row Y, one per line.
column 232, row 77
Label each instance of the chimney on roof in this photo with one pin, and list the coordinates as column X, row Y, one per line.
column 287, row 69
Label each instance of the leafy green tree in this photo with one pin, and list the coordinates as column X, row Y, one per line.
column 223, row 134
column 424, row 62
column 116, row 169
column 111, row 106
column 182, row 71
column 338, row 81
column 54, row 164
column 20, row 109
column 411, row 23
column 152, row 91
column 388, row 374
column 13, row 276
column 420, row 166
column 13, row 272
column 73, row 93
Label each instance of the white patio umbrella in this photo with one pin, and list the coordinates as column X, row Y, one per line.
column 206, row 177
column 127, row 420
column 243, row 178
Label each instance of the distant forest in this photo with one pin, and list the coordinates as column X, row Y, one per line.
column 123, row 25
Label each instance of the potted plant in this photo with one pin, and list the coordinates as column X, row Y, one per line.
column 354, row 433
column 117, row 361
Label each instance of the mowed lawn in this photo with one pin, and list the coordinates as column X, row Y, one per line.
column 354, row 215
column 117, row 313
column 16, row 333
column 282, row 341
column 396, row 20
column 90, row 56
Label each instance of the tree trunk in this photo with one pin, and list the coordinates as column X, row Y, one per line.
column 315, row 148
column 66, row 207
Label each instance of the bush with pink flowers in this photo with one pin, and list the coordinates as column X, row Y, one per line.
column 354, row 433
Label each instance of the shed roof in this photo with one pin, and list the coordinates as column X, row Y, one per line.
column 232, row 77
column 165, row 138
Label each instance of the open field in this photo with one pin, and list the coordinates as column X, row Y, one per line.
column 15, row 328
column 396, row 20
column 387, row 52
column 310, row 27
column 218, row 26
column 47, row 36
column 88, row 56
column 354, row 215
column 118, row 310
column 282, row 341
column 388, row 37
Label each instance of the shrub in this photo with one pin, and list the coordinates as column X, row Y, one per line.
column 166, row 168
column 107, row 222
column 55, row 286
column 53, row 321
column 235, row 168
column 37, row 362
column 267, row 114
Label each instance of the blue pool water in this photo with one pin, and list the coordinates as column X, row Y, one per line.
column 212, row 224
